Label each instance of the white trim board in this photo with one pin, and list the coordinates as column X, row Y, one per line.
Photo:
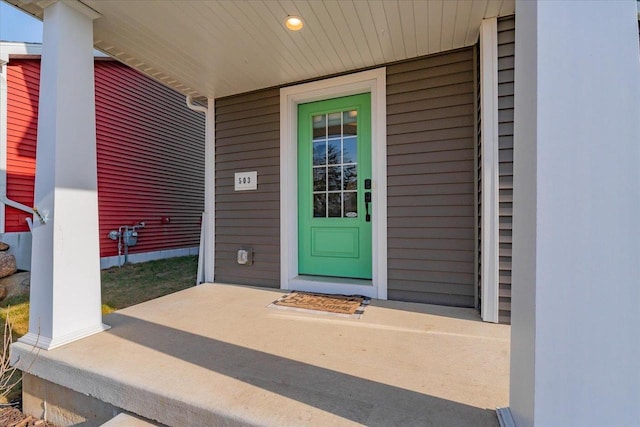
column 210, row 193
column 489, row 153
column 373, row 81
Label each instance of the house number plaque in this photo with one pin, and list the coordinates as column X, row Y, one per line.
column 246, row 181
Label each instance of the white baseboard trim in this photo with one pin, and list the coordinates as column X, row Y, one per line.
column 47, row 343
column 505, row 418
column 112, row 261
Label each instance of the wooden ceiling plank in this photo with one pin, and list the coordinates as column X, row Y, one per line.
column 333, row 36
column 125, row 31
column 316, row 37
column 478, row 9
column 421, row 16
column 462, row 23
column 394, row 23
column 263, row 42
column 212, row 29
column 435, row 26
column 408, row 23
column 258, row 55
column 376, row 9
column 508, row 8
column 493, row 8
column 348, row 10
column 263, row 16
column 233, row 55
column 369, row 29
column 357, row 49
column 449, row 11
column 306, row 41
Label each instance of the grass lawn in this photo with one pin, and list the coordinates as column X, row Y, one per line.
column 136, row 283
column 121, row 287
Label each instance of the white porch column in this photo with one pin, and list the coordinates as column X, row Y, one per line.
column 65, row 270
column 575, row 349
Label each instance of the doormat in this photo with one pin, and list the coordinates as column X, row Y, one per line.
column 351, row 306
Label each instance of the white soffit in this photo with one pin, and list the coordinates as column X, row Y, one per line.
column 228, row 47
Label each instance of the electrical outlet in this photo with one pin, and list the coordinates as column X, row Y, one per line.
column 245, row 256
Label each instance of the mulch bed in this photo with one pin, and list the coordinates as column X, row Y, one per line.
column 12, row 417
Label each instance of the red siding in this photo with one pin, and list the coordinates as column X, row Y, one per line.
column 150, row 155
column 23, row 82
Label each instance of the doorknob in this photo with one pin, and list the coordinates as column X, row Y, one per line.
column 367, row 200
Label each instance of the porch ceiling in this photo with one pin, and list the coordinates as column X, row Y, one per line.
column 220, row 48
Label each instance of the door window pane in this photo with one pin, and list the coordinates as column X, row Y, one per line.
column 319, row 153
column 320, row 126
column 335, row 125
column 333, row 152
column 335, row 178
column 319, row 179
column 350, row 120
column 320, row 205
column 350, row 178
column 351, row 205
column 335, row 204
column 349, row 150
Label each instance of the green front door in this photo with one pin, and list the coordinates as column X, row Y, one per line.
column 334, row 177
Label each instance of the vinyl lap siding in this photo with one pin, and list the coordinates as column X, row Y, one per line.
column 150, row 152
column 248, row 139
column 430, row 165
column 506, row 49
column 23, row 83
column 150, row 160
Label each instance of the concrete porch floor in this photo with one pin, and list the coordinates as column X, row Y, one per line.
column 215, row 355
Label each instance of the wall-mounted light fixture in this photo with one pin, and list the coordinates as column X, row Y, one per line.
column 293, row 23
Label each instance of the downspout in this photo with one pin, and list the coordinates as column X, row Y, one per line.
column 195, row 107
column 3, row 199
column 205, row 240
column 4, row 60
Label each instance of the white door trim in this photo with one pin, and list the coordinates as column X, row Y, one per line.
column 373, row 81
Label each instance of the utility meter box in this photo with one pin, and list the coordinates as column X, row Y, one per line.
column 130, row 237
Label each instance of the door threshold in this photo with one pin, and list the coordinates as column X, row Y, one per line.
column 331, row 279
column 333, row 285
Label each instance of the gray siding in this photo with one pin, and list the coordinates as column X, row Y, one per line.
column 431, row 126
column 506, row 46
column 248, row 138
column 431, row 214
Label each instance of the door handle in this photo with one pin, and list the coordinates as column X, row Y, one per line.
column 367, row 200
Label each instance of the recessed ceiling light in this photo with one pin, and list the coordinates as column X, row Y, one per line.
column 294, row 23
